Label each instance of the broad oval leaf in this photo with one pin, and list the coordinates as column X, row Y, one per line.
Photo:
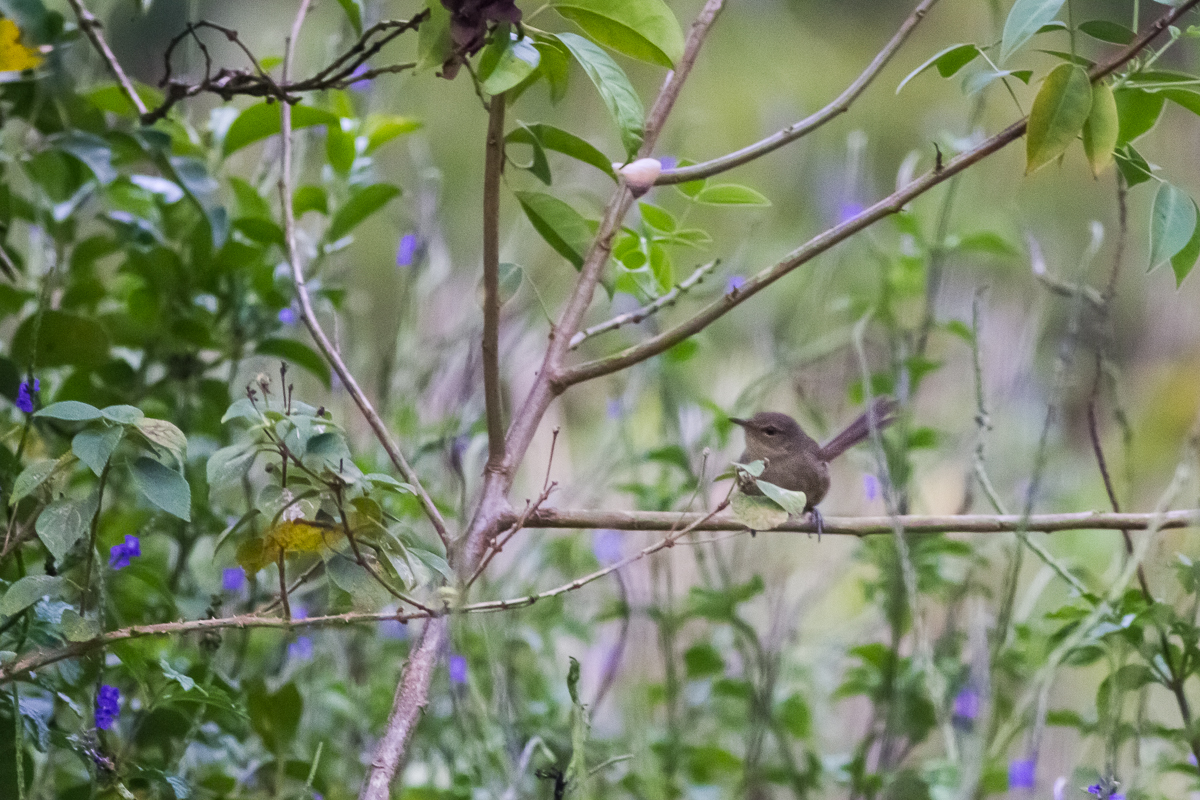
column 94, row 445
column 559, row 224
column 641, row 29
column 1138, row 110
column 564, row 142
column 62, row 339
column 624, row 105
column 1059, row 112
column 730, row 194
column 361, row 205
column 31, row 478
column 1183, row 261
column 790, row 501
column 165, row 436
column 27, row 591
column 504, row 64
column 1172, row 223
column 948, row 62
column 756, row 512
column 354, row 13
column 70, row 411
column 1106, row 31
column 1100, row 130
column 382, row 128
column 163, row 487
column 299, row 354
column 122, row 414
column 1024, row 20
column 65, row 522
column 263, row 119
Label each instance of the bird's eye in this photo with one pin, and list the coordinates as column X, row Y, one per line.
column 770, row 430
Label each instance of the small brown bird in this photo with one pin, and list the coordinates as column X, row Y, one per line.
column 794, row 460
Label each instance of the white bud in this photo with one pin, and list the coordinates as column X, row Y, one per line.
column 640, row 175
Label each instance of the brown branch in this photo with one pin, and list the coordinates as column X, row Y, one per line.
column 866, row 526
column 493, row 167
column 839, row 233
column 309, row 315
column 91, row 29
column 496, row 544
column 838, row 106
column 669, row 93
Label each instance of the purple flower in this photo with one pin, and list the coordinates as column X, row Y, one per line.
column 871, row 490
column 458, row 669
column 393, row 629
column 287, row 316
column 25, row 395
column 406, row 253
column 613, row 409
column 966, row 703
column 299, row 611
column 119, row 555
column 1094, row 789
column 734, row 284
column 233, row 579
column 363, row 85
column 606, row 546
column 668, row 162
column 849, row 210
column 301, row 649
column 1020, row 774
column 108, row 706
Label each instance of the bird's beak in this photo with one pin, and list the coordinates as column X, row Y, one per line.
column 742, row 422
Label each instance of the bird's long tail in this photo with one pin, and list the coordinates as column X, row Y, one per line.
column 883, row 410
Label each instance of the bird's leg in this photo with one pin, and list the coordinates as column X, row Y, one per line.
column 819, row 521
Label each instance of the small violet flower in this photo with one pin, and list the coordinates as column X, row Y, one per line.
column 1020, row 774
column 301, row 649
column 287, row 316
column 108, row 706
column 668, row 162
column 25, row 395
column 849, row 210
column 406, row 252
column 119, row 555
column 966, row 704
column 458, row 669
column 734, row 284
column 233, row 579
column 613, row 409
column 871, row 490
column 365, row 83
column 606, row 546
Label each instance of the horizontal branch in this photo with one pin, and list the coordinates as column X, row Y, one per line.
column 866, row 526
column 839, row 233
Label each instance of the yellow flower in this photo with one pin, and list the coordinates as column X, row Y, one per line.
column 14, row 56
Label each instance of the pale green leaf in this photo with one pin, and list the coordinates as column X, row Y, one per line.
column 1025, row 18
column 1100, row 130
column 163, row 487
column 624, row 105
column 641, row 29
column 1172, row 223
column 1059, row 112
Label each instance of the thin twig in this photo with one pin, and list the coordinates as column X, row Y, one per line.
column 310, row 317
column 791, row 133
column 91, row 29
column 640, row 315
column 497, row 544
column 837, row 234
column 492, row 394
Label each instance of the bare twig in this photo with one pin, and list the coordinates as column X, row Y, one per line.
column 497, row 544
column 310, row 317
column 640, row 315
column 807, row 125
column 91, row 29
column 669, row 93
column 493, row 166
column 839, row 233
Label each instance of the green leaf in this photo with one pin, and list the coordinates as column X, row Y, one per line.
column 1106, row 31
column 795, row 717
column 434, row 44
column 1183, row 97
column 1172, row 223
column 1134, row 168
column 163, row 487
column 299, row 354
column 1138, row 111
column 95, row 153
column 264, row 119
column 559, row 224
column 241, row 408
column 27, row 591
column 757, row 513
column 354, row 13
column 1183, row 261
column 383, row 128
column 227, row 466
column 75, row 628
column 641, row 29
column 341, row 146
column 70, row 411
column 1100, row 130
column 165, row 437
column 624, row 106
column 122, row 415
column 275, row 717
column 555, row 66
column 63, row 340
column 95, row 444
column 506, row 62
column 702, row 660
column 657, row 218
column 1059, row 112
column 789, row 501
column 730, row 194
column 309, row 198
column 112, row 98
column 947, row 62
column 193, row 175
column 977, row 81
column 65, row 522
column 31, row 478
column 561, row 141
column 539, row 166
column 1024, row 20
column 362, row 204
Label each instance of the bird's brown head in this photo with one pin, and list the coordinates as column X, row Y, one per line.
column 771, row 435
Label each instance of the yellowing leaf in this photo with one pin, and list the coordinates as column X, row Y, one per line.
column 1100, row 130
column 14, row 56
column 1059, row 111
column 293, row 536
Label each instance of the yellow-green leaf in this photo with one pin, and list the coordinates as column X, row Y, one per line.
column 643, row 29
column 1059, row 111
column 1100, row 130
